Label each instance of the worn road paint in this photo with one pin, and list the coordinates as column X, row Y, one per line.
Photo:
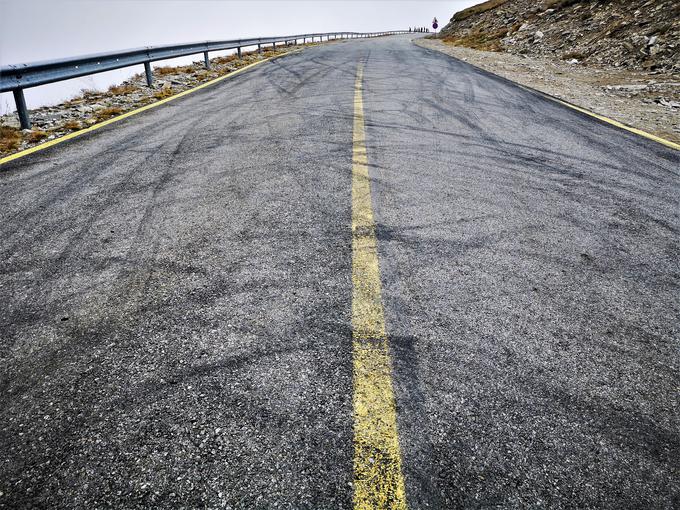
column 125, row 115
column 378, row 479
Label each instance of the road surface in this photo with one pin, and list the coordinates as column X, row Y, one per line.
column 176, row 296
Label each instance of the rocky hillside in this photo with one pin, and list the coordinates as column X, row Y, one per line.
column 632, row 34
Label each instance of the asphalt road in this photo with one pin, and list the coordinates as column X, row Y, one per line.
column 175, row 297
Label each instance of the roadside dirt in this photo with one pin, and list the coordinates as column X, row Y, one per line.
column 647, row 100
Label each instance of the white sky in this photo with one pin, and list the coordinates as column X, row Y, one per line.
column 33, row 30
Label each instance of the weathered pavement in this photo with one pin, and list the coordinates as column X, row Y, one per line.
column 176, row 296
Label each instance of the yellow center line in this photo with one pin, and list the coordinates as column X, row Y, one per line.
column 378, row 478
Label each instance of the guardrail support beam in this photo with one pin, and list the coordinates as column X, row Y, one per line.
column 238, row 52
column 149, row 74
column 20, row 102
column 206, row 59
column 259, row 48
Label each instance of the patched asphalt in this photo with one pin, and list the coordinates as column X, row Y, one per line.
column 176, row 291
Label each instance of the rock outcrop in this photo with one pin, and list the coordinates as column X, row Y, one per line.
column 632, row 34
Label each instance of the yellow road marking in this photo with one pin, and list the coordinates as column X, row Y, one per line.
column 75, row 134
column 616, row 123
column 378, row 478
column 613, row 122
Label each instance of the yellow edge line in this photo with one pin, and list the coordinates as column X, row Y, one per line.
column 125, row 115
column 378, row 478
column 613, row 122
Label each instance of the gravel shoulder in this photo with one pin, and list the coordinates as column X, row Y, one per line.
column 645, row 100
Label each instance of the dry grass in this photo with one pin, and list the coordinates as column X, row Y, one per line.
column 89, row 94
column 72, row 125
column 163, row 71
column 225, row 60
column 204, row 74
column 107, row 113
column 478, row 9
column 10, row 138
column 36, row 135
column 163, row 93
column 480, row 40
column 122, row 90
column 74, row 102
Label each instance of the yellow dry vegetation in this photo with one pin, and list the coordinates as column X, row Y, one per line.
column 10, row 138
column 121, row 90
column 72, row 125
column 163, row 93
column 162, row 71
column 36, row 135
column 107, row 113
column 480, row 40
column 478, row 9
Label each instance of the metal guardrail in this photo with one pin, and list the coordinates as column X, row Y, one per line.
column 18, row 77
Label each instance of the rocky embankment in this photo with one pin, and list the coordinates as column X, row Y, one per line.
column 618, row 58
column 91, row 106
column 627, row 34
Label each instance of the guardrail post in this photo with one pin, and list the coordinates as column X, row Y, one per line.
column 206, row 59
column 273, row 45
column 259, row 48
column 149, row 75
column 238, row 51
column 20, row 103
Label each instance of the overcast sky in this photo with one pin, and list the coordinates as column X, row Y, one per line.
column 33, row 30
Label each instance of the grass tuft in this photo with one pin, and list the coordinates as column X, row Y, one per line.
column 121, row 90
column 90, row 94
column 162, row 71
column 480, row 40
column 226, row 59
column 36, row 135
column 10, row 138
column 107, row 113
column 72, row 125
column 163, row 93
